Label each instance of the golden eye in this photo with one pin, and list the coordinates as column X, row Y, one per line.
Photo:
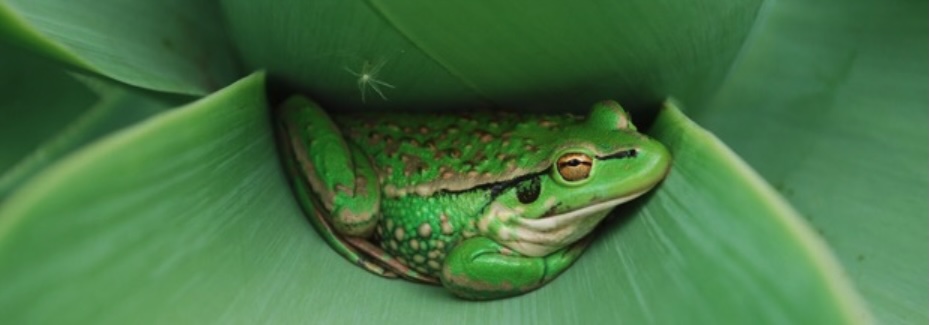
column 574, row 166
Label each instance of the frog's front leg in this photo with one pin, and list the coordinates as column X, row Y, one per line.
column 480, row 268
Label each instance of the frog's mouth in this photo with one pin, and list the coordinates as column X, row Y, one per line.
column 552, row 220
column 551, row 232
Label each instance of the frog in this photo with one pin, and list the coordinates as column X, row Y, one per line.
column 487, row 204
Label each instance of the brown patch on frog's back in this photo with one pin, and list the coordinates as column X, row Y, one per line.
column 413, row 165
column 483, row 136
column 546, row 123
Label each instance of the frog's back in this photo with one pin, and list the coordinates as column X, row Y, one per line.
column 424, row 153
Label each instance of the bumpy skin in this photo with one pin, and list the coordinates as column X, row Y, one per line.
column 489, row 205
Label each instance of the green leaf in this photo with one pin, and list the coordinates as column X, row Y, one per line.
column 175, row 46
column 210, row 233
column 30, row 115
column 828, row 102
column 543, row 55
column 115, row 231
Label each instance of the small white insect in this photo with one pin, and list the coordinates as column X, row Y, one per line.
column 368, row 78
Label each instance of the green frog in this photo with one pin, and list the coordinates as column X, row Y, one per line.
column 489, row 205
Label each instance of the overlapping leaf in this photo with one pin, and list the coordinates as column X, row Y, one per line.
column 175, row 46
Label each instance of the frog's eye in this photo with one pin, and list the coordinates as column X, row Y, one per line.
column 574, row 166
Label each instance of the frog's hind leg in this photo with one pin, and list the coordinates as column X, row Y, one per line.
column 340, row 176
column 334, row 183
column 372, row 253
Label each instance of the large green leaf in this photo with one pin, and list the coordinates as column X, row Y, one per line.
column 829, row 103
column 187, row 217
column 116, row 231
column 543, row 54
column 174, row 46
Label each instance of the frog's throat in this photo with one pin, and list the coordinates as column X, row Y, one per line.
column 545, row 235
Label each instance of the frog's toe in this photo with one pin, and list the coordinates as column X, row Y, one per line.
column 375, row 268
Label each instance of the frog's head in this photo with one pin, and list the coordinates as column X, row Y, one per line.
column 593, row 166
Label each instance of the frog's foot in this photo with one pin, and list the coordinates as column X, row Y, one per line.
column 479, row 268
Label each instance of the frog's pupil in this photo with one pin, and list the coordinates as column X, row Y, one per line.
column 574, row 163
